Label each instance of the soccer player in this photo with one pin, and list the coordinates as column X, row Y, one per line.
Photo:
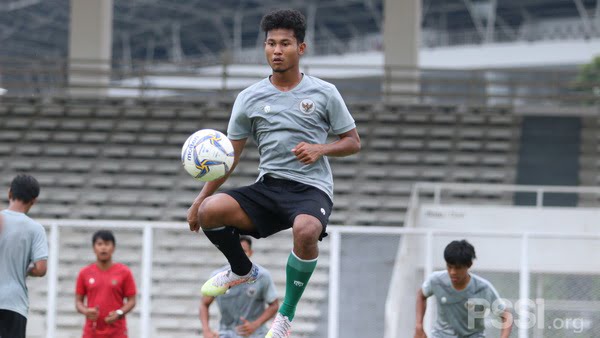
column 289, row 115
column 109, row 288
column 460, row 294
column 23, row 252
column 246, row 308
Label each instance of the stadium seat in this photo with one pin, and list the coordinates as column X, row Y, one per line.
column 37, row 136
column 28, row 150
column 88, row 151
column 66, row 137
column 44, row 124
column 163, row 126
column 107, row 112
column 163, row 113
column 17, row 123
column 73, row 124
column 79, row 111
column 52, row 110
column 101, row 126
column 10, row 136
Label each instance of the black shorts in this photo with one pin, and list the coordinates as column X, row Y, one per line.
column 12, row 324
column 272, row 204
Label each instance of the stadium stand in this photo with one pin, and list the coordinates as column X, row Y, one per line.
column 119, row 159
column 98, row 157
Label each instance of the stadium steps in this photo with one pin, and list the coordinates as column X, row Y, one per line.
column 116, row 144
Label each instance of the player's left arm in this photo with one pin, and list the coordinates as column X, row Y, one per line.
column 38, row 269
column 499, row 308
column 128, row 306
column 129, row 291
column 507, row 323
column 269, row 294
column 247, row 327
column 39, row 253
column 347, row 144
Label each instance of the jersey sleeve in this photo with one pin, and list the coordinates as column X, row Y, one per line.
column 80, row 287
column 338, row 115
column 239, row 126
column 39, row 247
column 493, row 297
column 269, row 291
column 129, row 288
column 427, row 287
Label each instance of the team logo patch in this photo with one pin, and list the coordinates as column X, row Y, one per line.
column 307, row 106
column 91, row 281
column 114, row 282
column 267, row 109
column 250, row 292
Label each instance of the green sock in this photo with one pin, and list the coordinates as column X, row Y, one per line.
column 298, row 273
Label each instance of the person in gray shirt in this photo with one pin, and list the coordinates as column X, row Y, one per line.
column 23, row 252
column 462, row 298
column 289, row 115
column 244, row 309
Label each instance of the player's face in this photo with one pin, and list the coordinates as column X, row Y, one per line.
column 282, row 50
column 458, row 274
column 104, row 250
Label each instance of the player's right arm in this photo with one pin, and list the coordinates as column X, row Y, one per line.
column 204, row 317
column 89, row 313
column 421, row 308
column 212, row 186
column 80, row 292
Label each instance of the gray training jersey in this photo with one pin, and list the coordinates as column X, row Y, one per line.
column 452, row 305
column 22, row 241
column 278, row 121
column 245, row 300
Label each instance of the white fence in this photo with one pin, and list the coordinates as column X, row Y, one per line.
column 351, row 303
column 545, row 251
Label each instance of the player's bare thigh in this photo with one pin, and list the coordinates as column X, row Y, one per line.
column 223, row 210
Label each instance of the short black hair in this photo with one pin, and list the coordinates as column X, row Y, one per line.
column 459, row 253
column 24, row 188
column 105, row 235
column 286, row 19
column 247, row 240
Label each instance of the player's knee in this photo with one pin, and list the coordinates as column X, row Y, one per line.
column 307, row 229
column 208, row 213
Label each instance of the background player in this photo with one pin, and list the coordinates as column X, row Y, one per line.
column 456, row 289
column 110, row 291
column 23, row 252
column 244, row 309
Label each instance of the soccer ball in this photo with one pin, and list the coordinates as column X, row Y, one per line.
column 207, row 155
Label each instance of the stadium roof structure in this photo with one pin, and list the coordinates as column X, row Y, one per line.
column 191, row 29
